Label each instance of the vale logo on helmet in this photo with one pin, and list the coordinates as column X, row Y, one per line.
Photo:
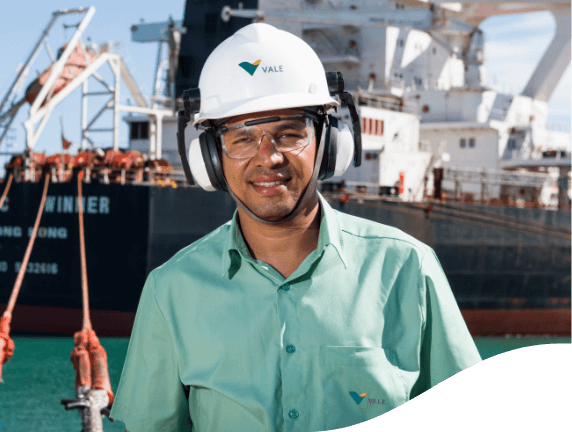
column 251, row 67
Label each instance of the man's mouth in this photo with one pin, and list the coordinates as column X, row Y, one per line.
column 269, row 184
column 269, row 180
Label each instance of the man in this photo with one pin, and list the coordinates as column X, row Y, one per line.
column 292, row 316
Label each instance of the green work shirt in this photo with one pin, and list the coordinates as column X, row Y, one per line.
column 367, row 322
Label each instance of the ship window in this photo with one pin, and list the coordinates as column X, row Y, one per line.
column 378, row 127
column 463, row 143
column 471, row 142
column 511, row 144
column 370, row 125
column 364, row 125
column 139, row 130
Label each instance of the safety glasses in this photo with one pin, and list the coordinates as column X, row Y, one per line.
column 287, row 134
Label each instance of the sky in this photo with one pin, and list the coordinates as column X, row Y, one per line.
column 514, row 45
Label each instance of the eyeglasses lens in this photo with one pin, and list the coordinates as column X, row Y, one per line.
column 243, row 142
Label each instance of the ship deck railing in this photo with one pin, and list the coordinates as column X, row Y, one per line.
column 384, row 101
column 361, row 191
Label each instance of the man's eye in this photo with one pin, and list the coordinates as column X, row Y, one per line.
column 291, row 134
column 241, row 141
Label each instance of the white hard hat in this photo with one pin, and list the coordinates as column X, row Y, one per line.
column 261, row 68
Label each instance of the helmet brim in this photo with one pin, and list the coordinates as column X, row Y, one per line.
column 270, row 103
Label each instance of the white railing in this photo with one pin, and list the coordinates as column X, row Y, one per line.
column 384, row 101
column 491, row 177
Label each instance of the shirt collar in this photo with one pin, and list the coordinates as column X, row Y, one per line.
column 235, row 247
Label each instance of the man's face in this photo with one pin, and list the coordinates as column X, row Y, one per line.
column 254, row 180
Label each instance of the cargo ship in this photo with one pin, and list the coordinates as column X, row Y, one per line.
column 502, row 233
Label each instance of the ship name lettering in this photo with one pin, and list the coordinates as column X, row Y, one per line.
column 50, row 232
column 10, row 231
column 70, row 204
column 38, row 268
column 3, row 266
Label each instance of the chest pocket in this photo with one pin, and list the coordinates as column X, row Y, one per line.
column 359, row 383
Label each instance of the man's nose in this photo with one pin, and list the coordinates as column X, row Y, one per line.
column 268, row 154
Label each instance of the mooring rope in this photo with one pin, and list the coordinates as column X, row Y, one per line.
column 6, row 189
column 22, row 271
column 84, row 288
column 7, row 344
column 89, row 359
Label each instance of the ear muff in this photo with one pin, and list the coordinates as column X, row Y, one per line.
column 338, row 150
column 210, row 150
column 198, row 167
column 205, row 163
column 330, row 144
column 345, row 149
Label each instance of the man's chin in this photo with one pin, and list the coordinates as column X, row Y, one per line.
column 271, row 208
column 273, row 215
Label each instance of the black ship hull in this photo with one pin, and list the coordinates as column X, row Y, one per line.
column 509, row 268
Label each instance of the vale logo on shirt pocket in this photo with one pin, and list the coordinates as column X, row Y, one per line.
column 357, row 397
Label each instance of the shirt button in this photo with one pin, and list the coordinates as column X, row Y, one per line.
column 285, row 287
column 290, row 348
column 293, row 414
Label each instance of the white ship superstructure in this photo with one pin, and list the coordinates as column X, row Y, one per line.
column 417, row 72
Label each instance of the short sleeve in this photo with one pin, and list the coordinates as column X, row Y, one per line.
column 447, row 346
column 150, row 396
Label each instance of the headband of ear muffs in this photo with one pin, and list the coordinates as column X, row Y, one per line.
column 206, row 165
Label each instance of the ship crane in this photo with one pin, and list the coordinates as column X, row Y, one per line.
column 169, row 33
column 73, row 67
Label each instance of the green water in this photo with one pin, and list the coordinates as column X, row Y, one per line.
column 40, row 374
